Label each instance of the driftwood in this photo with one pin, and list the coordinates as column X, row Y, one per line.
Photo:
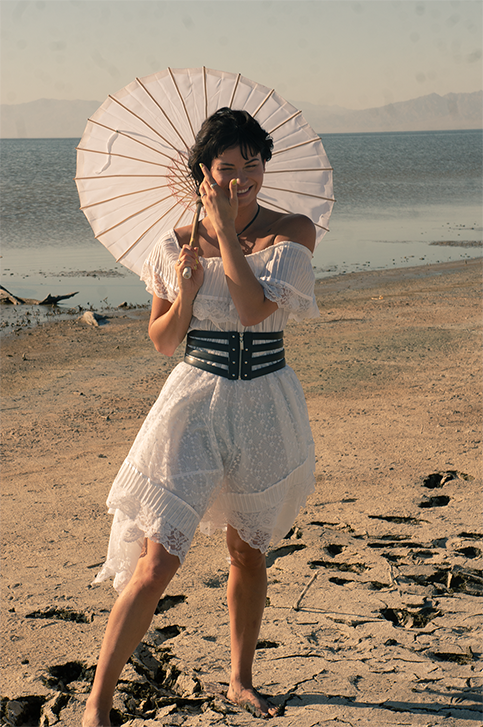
column 7, row 297
column 54, row 299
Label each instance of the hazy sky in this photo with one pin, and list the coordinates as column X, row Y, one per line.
column 335, row 52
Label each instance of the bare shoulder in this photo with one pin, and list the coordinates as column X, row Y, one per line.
column 295, row 228
column 183, row 234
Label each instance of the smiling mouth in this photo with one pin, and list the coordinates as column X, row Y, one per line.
column 243, row 191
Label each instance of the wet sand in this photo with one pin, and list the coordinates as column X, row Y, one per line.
column 372, row 618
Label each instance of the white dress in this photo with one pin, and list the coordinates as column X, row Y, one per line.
column 214, row 451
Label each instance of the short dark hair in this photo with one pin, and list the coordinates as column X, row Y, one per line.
column 223, row 130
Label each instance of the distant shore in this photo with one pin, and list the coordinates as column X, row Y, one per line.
column 57, row 118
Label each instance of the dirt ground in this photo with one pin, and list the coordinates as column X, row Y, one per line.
column 372, row 617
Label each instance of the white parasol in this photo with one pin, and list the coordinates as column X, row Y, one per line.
column 132, row 174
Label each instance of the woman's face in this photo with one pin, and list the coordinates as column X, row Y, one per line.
column 231, row 164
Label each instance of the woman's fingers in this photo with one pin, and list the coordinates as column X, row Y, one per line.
column 189, row 271
column 188, row 252
column 188, row 257
column 220, row 203
column 208, row 184
column 207, row 175
column 233, row 191
column 206, row 181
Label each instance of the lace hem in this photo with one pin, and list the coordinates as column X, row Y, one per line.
column 126, row 542
column 261, row 519
column 299, row 305
column 217, row 310
column 264, row 518
column 156, row 284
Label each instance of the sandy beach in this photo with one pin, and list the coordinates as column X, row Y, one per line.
column 372, row 616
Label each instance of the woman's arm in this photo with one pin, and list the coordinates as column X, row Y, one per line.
column 246, row 291
column 169, row 322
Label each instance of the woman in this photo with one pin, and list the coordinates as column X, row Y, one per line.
column 228, row 443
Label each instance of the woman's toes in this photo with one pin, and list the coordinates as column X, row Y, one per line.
column 253, row 702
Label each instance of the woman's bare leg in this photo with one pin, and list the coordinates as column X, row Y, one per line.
column 246, row 594
column 129, row 620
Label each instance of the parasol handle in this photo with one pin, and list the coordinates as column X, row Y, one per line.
column 194, row 233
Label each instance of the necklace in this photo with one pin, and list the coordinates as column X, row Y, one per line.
column 250, row 223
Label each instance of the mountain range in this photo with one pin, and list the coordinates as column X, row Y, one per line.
column 426, row 113
column 50, row 118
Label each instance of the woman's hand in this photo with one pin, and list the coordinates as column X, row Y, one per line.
column 169, row 322
column 188, row 258
column 221, row 205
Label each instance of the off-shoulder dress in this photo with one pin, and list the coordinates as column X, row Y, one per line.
column 214, row 451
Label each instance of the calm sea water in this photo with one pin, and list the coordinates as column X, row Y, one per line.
column 396, row 194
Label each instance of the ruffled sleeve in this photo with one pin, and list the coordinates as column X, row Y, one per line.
column 288, row 279
column 158, row 271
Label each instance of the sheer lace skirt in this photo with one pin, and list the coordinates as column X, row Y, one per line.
column 212, row 452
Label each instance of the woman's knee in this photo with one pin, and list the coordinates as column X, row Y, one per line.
column 156, row 567
column 242, row 554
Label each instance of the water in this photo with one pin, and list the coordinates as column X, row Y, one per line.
column 396, row 194
column 47, row 243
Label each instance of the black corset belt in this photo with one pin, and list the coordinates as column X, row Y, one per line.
column 238, row 353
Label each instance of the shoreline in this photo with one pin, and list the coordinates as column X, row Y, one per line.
column 28, row 316
column 373, row 616
column 385, row 276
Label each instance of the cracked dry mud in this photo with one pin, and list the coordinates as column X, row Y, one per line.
column 373, row 613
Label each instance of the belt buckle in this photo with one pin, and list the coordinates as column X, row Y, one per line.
column 246, row 355
column 233, row 355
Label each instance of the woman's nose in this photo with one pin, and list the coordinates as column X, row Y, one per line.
column 241, row 176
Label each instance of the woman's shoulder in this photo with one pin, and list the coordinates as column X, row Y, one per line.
column 166, row 248
column 294, row 228
column 169, row 241
column 158, row 271
column 182, row 235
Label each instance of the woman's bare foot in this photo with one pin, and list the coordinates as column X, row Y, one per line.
column 94, row 717
column 248, row 698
